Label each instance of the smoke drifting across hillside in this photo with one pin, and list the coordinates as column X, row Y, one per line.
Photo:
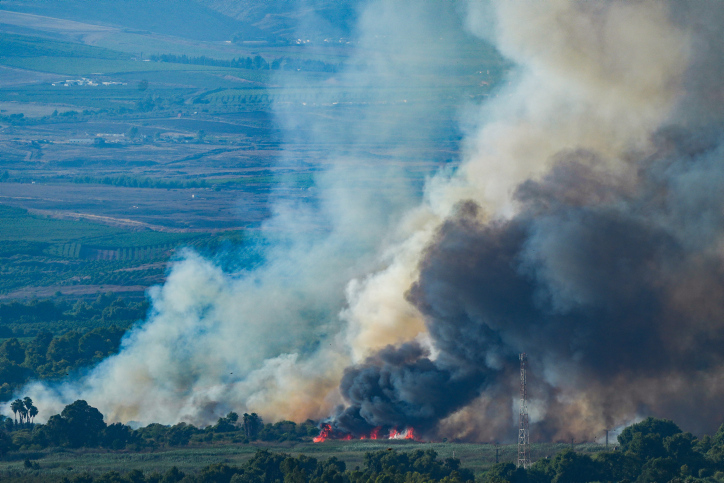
column 583, row 226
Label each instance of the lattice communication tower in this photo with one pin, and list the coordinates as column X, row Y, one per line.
column 523, row 430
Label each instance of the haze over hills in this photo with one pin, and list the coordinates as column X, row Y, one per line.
column 316, row 19
column 209, row 20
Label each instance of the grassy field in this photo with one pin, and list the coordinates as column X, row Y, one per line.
column 63, row 462
column 20, row 225
column 17, row 224
column 81, row 66
column 12, row 45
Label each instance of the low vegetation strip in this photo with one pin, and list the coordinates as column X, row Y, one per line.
column 18, row 225
column 13, row 45
column 142, row 182
column 255, row 63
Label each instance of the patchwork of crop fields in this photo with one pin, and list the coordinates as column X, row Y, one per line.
column 38, row 250
column 138, row 158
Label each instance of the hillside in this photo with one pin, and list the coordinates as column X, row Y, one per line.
column 210, row 20
column 179, row 18
column 312, row 18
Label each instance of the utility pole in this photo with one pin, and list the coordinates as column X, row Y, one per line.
column 607, row 440
column 523, row 430
column 497, row 459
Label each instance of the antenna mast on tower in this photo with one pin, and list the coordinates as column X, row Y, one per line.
column 523, row 431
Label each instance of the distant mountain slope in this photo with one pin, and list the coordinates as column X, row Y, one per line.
column 183, row 18
column 292, row 18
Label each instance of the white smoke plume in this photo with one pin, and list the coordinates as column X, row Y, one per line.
column 358, row 269
column 270, row 340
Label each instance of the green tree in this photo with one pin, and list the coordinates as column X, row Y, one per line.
column 681, row 447
column 505, row 472
column 180, row 434
column 111, row 477
column 173, row 475
column 618, row 466
column 29, row 411
column 573, row 467
column 662, row 427
column 84, row 423
column 117, row 436
column 217, row 473
column 15, row 406
column 6, row 443
column 252, row 424
column 226, row 424
column 658, row 470
column 13, row 351
column 55, row 431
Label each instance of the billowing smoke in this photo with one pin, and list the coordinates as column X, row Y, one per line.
column 583, row 226
column 609, row 288
column 269, row 338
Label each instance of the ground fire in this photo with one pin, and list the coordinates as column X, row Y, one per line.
column 327, row 432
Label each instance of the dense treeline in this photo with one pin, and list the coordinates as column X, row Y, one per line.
column 80, row 425
column 141, row 182
column 22, row 319
column 652, row 451
column 255, row 63
column 47, row 356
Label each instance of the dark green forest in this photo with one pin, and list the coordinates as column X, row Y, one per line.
column 652, row 451
column 80, row 425
column 30, row 351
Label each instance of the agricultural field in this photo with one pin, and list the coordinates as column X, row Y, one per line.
column 122, row 142
column 79, row 257
column 68, row 462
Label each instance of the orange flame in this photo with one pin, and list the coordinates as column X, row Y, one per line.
column 324, row 434
column 408, row 433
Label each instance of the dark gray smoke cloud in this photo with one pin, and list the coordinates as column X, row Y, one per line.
column 582, row 224
column 610, row 285
column 402, row 388
column 587, row 231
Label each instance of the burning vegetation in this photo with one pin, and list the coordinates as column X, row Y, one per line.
column 583, row 225
column 328, row 432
